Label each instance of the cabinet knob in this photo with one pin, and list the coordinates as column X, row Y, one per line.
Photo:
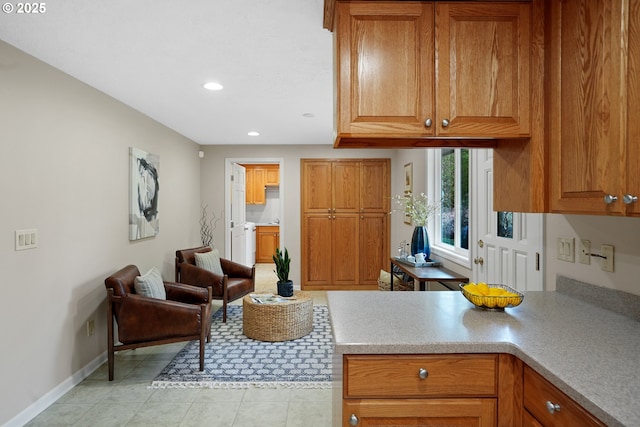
column 552, row 407
column 353, row 420
column 478, row 260
column 628, row 199
column 427, row 123
column 423, row 373
column 445, row 123
column 609, row 198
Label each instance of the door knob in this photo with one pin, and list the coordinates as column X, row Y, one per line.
column 478, row 260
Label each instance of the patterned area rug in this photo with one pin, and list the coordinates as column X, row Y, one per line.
column 234, row 361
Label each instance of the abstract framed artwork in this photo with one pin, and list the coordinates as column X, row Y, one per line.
column 408, row 178
column 143, row 194
column 408, row 187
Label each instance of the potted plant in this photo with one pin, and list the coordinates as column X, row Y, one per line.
column 418, row 209
column 282, row 261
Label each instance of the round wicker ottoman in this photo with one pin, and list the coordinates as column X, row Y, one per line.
column 279, row 321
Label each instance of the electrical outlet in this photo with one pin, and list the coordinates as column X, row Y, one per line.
column 585, row 252
column 91, row 327
column 566, row 250
column 606, row 262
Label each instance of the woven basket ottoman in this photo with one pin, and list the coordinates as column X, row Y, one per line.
column 282, row 321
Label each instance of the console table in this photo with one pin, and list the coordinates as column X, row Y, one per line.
column 422, row 275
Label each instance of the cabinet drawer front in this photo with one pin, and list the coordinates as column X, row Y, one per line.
column 538, row 391
column 420, row 412
column 399, row 376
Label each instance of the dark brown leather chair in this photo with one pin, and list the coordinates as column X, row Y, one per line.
column 238, row 280
column 142, row 321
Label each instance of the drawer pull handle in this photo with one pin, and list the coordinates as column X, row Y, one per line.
column 353, row 420
column 552, row 407
column 423, row 374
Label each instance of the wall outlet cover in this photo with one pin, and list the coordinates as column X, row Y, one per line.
column 606, row 262
column 585, row 252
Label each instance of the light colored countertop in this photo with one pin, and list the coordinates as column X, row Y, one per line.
column 591, row 354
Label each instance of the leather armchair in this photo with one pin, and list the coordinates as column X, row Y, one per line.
column 142, row 321
column 238, row 279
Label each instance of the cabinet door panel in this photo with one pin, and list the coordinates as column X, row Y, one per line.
column 267, row 240
column 316, row 246
column 385, row 67
column 585, row 107
column 633, row 109
column 259, row 190
column 482, row 75
column 316, row 181
column 374, row 247
column 345, row 249
column 421, row 412
column 346, row 181
column 272, row 175
column 374, row 186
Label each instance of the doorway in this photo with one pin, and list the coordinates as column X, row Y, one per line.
column 506, row 246
column 252, row 214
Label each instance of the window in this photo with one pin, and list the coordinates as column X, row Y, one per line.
column 449, row 184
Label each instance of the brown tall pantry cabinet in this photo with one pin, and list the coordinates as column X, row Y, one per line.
column 345, row 224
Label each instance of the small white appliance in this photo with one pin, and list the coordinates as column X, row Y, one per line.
column 250, row 243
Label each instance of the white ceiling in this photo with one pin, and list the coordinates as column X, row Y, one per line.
column 272, row 56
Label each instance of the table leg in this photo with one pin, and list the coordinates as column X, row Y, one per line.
column 391, row 270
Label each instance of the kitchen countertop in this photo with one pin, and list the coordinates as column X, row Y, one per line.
column 590, row 353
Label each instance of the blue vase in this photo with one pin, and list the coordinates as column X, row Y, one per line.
column 420, row 242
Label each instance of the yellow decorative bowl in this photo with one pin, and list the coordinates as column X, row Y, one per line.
column 493, row 302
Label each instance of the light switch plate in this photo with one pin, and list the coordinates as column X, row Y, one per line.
column 26, row 239
column 566, row 249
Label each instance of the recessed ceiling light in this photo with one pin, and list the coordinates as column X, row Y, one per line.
column 253, row 133
column 212, row 86
column 308, row 115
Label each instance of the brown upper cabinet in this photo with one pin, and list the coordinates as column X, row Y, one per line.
column 257, row 178
column 594, row 106
column 425, row 74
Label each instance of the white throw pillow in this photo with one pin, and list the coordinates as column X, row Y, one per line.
column 209, row 261
column 150, row 285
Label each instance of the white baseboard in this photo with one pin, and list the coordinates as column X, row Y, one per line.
column 56, row 393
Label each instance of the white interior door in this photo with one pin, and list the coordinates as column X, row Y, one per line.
column 238, row 212
column 507, row 247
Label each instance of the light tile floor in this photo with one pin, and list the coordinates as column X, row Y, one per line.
column 127, row 400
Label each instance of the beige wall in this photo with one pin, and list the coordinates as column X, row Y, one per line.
column 64, row 169
column 623, row 233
